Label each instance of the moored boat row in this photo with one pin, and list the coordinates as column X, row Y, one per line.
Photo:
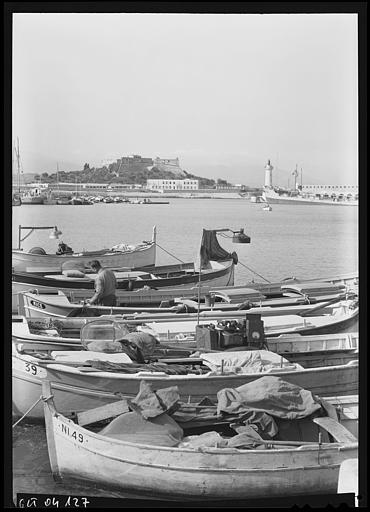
column 190, row 337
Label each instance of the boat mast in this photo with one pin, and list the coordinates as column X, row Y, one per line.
column 13, row 151
column 18, row 166
column 295, row 174
column 58, row 178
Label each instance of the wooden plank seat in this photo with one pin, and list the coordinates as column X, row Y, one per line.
column 335, row 429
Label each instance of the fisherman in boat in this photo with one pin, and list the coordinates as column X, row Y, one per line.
column 64, row 249
column 105, row 285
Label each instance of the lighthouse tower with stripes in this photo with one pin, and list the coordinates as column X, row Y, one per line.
column 268, row 175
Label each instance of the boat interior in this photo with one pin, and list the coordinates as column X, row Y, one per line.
column 128, row 275
column 161, row 419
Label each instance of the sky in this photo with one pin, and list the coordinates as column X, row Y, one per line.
column 224, row 93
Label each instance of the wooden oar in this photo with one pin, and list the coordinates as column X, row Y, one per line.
column 44, row 362
column 321, row 306
column 285, row 443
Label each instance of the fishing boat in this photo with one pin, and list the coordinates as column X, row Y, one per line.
column 156, row 296
column 59, row 305
column 336, row 318
column 16, row 197
column 121, row 255
column 147, row 200
column 75, row 201
column 216, row 272
column 62, row 200
column 160, row 457
column 267, row 208
column 80, row 201
column 216, row 269
column 50, row 198
column 43, row 334
column 33, row 196
column 16, row 200
column 83, row 379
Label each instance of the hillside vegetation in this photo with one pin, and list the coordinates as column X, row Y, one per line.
column 134, row 173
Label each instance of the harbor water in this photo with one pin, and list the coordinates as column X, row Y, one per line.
column 301, row 241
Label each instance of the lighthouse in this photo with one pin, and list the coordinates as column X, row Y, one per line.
column 268, row 174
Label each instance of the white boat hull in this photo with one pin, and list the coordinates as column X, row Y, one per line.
column 192, row 474
column 272, row 197
column 141, row 257
column 218, row 276
column 75, row 390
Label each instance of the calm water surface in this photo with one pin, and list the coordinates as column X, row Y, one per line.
column 301, row 240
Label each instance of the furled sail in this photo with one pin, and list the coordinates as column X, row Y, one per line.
column 210, row 249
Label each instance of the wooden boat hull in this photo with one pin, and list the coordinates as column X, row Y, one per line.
column 191, row 474
column 142, row 256
column 184, row 328
column 76, row 390
column 347, row 410
column 282, row 343
column 220, row 276
column 58, row 305
column 308, row 351
column 33, row 200
column 151, row 296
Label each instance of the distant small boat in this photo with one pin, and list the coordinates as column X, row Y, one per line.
column 50, row 200
column 75, row 200
column 79, row 201
column 62, row 200
column 267, row 208
column 147, row 200
column 16, row 200
column 34, row 196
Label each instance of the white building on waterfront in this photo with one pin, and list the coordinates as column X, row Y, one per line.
column 162, row 185
column 331, row 190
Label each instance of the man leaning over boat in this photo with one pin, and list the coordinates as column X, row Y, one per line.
column 105, row 286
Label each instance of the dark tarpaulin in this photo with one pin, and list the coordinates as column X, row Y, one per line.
column 271, row 395
column 210, row 249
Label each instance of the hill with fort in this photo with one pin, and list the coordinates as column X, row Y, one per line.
column 129, row 170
